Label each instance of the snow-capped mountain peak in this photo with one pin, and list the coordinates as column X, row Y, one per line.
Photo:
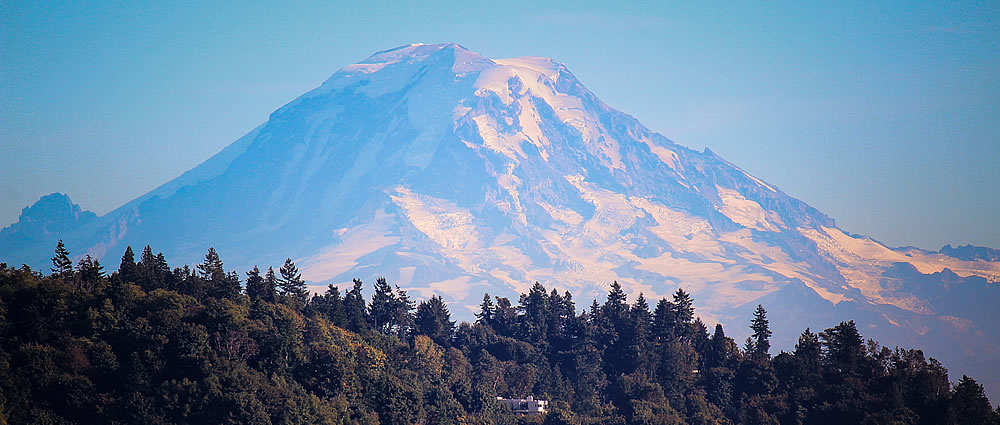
column 452, row 173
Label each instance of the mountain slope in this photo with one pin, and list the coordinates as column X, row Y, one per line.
column 452, row 173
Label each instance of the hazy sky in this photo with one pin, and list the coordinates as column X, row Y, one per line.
column 886, row 116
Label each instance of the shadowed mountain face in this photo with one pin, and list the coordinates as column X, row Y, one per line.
column 452, row 173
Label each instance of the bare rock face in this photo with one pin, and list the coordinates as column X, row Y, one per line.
column 46, row 220
column 455, row 174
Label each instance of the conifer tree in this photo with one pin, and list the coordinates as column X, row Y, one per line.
column 595, row 312
column 269, row 290
column 808, row 349
column 255, row 285
column 434, row 320
column 969, row 403
column 163, row 271
column 663, row 321
column 720, row 348
column 220, row 285
column 759, row 343
column 683, row 306
column 683, row 314
column 127, row 269
column 381, row 311
column 89, row 271
column 61, row 264
column 534, row 308
column 403, row 313
column 637, row 337
column 149, row 277
column 354, row 308
column 616, row 306
column 331, row 305
column 505, row 317
column 291, row 284
column 844, row 348
column 211, row 269
column 486, row 309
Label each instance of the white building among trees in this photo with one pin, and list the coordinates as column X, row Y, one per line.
column 525, row 406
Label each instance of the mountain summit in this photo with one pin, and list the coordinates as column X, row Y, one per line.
column 452, row 173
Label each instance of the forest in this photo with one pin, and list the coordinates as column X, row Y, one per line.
column 152, row 344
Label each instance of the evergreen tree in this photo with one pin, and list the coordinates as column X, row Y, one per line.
column 683, row 313
column 434, row 320
column 403, row 313
column 89, row 272
column 219, row 284
column 124, row 355
column 291, row 285
column 256, row 290
column 759, row 343
column 163, row 271
column 595, row 312
column 127, row 271
column 970, row 405
column 330, row 305
column 637, row 337
column 269, row 292
column 808, row 349
column 844, row 349
column 355, row 310
column 616, row 306
column 534, row 308
column 720, row 348
column 148, row 271
column 211, row 269
column 699, row 336
column 382, row 310
column 62, row 266
column 486, row 309
column 664, row 326
column 505, row 317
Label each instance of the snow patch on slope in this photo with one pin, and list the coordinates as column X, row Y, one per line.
column 355, row 243
column 745, row 212
column 862, row 260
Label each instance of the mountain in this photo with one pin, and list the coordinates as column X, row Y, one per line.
column 452, row 173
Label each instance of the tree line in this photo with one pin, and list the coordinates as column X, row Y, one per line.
column 151, row 344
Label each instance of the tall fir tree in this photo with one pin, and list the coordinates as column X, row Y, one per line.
column 434, row 320
column 505, row 317
column 255, row 285
column 381, row 310
column 534, row 309
column 664, row 325
column 330, row 305
column 89, row 272
column 269, row 292
column 615, row 308
column 759, row 342
column 149, row 277
column 211, row 268
column 163, row 269
column 127, row 270
column 354, row 308
column 970, row 404
column 62, row 265
column 404, row 313
column 486, row 309
column 844, row 349
column 218, row 283
column 291, row 285
column 637, row 337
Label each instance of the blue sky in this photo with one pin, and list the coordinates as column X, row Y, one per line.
column 881, row 114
